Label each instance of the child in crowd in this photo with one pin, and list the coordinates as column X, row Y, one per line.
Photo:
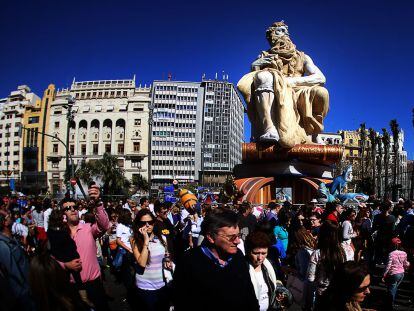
column 396, row 266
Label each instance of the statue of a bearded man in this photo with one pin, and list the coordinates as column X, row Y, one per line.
column 286, row 100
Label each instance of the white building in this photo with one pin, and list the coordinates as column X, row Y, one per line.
column 331, row 138
column 223, row 131
column 11, row 117
column 176, row 132
column 109, row 116
column 197, row 132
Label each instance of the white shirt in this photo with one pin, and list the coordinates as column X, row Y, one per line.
column 20, row 230
column 46, row 216
column 263, row 291
column 124, row 233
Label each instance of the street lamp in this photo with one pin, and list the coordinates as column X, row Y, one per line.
column 69, row 118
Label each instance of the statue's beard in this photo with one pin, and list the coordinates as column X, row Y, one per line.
column 282, row 44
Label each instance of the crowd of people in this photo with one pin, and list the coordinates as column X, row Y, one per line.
column 201, row 257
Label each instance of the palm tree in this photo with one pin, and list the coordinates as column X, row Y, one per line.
column 378, row 141
column 373, row 140
column 140, row 182
column 111, row 175
column 363, row 139
column 395, row 130
column 386, row 143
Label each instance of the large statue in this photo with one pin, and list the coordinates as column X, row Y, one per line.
column 286, row 100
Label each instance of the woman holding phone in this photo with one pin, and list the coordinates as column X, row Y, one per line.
column 150, row 252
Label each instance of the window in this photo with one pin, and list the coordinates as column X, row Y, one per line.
column 95, row 149
column 83, row 149
column 57, row 124
column 55, row 148
column 108, row 148
column 137, row 146
column 121, row 163
column 16, row 143
column 16, row 153
column 138, row 108
column 136, row 163
column 55, row 164
column 72, row 149
column 120, row 148
column 33, row 120
column 137, row 122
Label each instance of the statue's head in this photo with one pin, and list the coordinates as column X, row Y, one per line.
column 348, row 173
column 276, row 31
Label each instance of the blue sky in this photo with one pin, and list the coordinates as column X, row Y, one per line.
column 364, row 48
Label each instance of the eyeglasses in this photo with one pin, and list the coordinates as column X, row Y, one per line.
column 363, row 289
column 231, row 238
column 143, row 223
column 68, row 208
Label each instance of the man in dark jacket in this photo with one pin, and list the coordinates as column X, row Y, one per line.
column 215, row 276
column 14, row 267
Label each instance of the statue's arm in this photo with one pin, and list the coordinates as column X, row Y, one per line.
column 313, row 75
column 261, row 62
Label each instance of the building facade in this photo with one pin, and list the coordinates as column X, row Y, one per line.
column 34, row 142
column 222, row 132
column 197, row 132
column 109, row 116
column 175, row 133
column 11, row 118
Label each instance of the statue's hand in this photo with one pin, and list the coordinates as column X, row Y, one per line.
column 260, row 62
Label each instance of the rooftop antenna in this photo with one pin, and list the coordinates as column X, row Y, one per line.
column 203, row 77
column 73, row 82
column 223, row 75
column 169, row 76
column 133, row 78
column 216, row 76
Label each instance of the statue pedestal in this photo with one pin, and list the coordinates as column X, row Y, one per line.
column 266, row 168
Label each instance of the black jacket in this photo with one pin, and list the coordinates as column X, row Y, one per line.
column 199, row 284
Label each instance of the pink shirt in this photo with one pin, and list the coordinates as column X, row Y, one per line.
column 85, row 239
column 397, row 263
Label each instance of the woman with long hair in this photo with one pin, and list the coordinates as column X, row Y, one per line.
column 324, row 261
column 150, row 252
column 50, row 286
column 349, row 287
column 306, row 244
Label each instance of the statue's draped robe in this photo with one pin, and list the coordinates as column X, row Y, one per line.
column 286, row 62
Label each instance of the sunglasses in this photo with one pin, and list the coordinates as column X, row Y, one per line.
column 68, row 208
column 143, row 223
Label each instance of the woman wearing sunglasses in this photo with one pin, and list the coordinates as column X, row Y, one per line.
column 150, row 252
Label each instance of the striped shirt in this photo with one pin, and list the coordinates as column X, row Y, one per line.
column 152, row 278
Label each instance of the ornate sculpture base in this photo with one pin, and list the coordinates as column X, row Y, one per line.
column 302, row 168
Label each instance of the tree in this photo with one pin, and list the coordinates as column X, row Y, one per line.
column 373, row 139
column 111, row 175
column 363, row 139
column 140, row 182
column 386, row 143
column 378, row 140
column 395, row 130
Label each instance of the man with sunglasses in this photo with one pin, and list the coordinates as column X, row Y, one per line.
column 85, row 235
column 215, row 275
